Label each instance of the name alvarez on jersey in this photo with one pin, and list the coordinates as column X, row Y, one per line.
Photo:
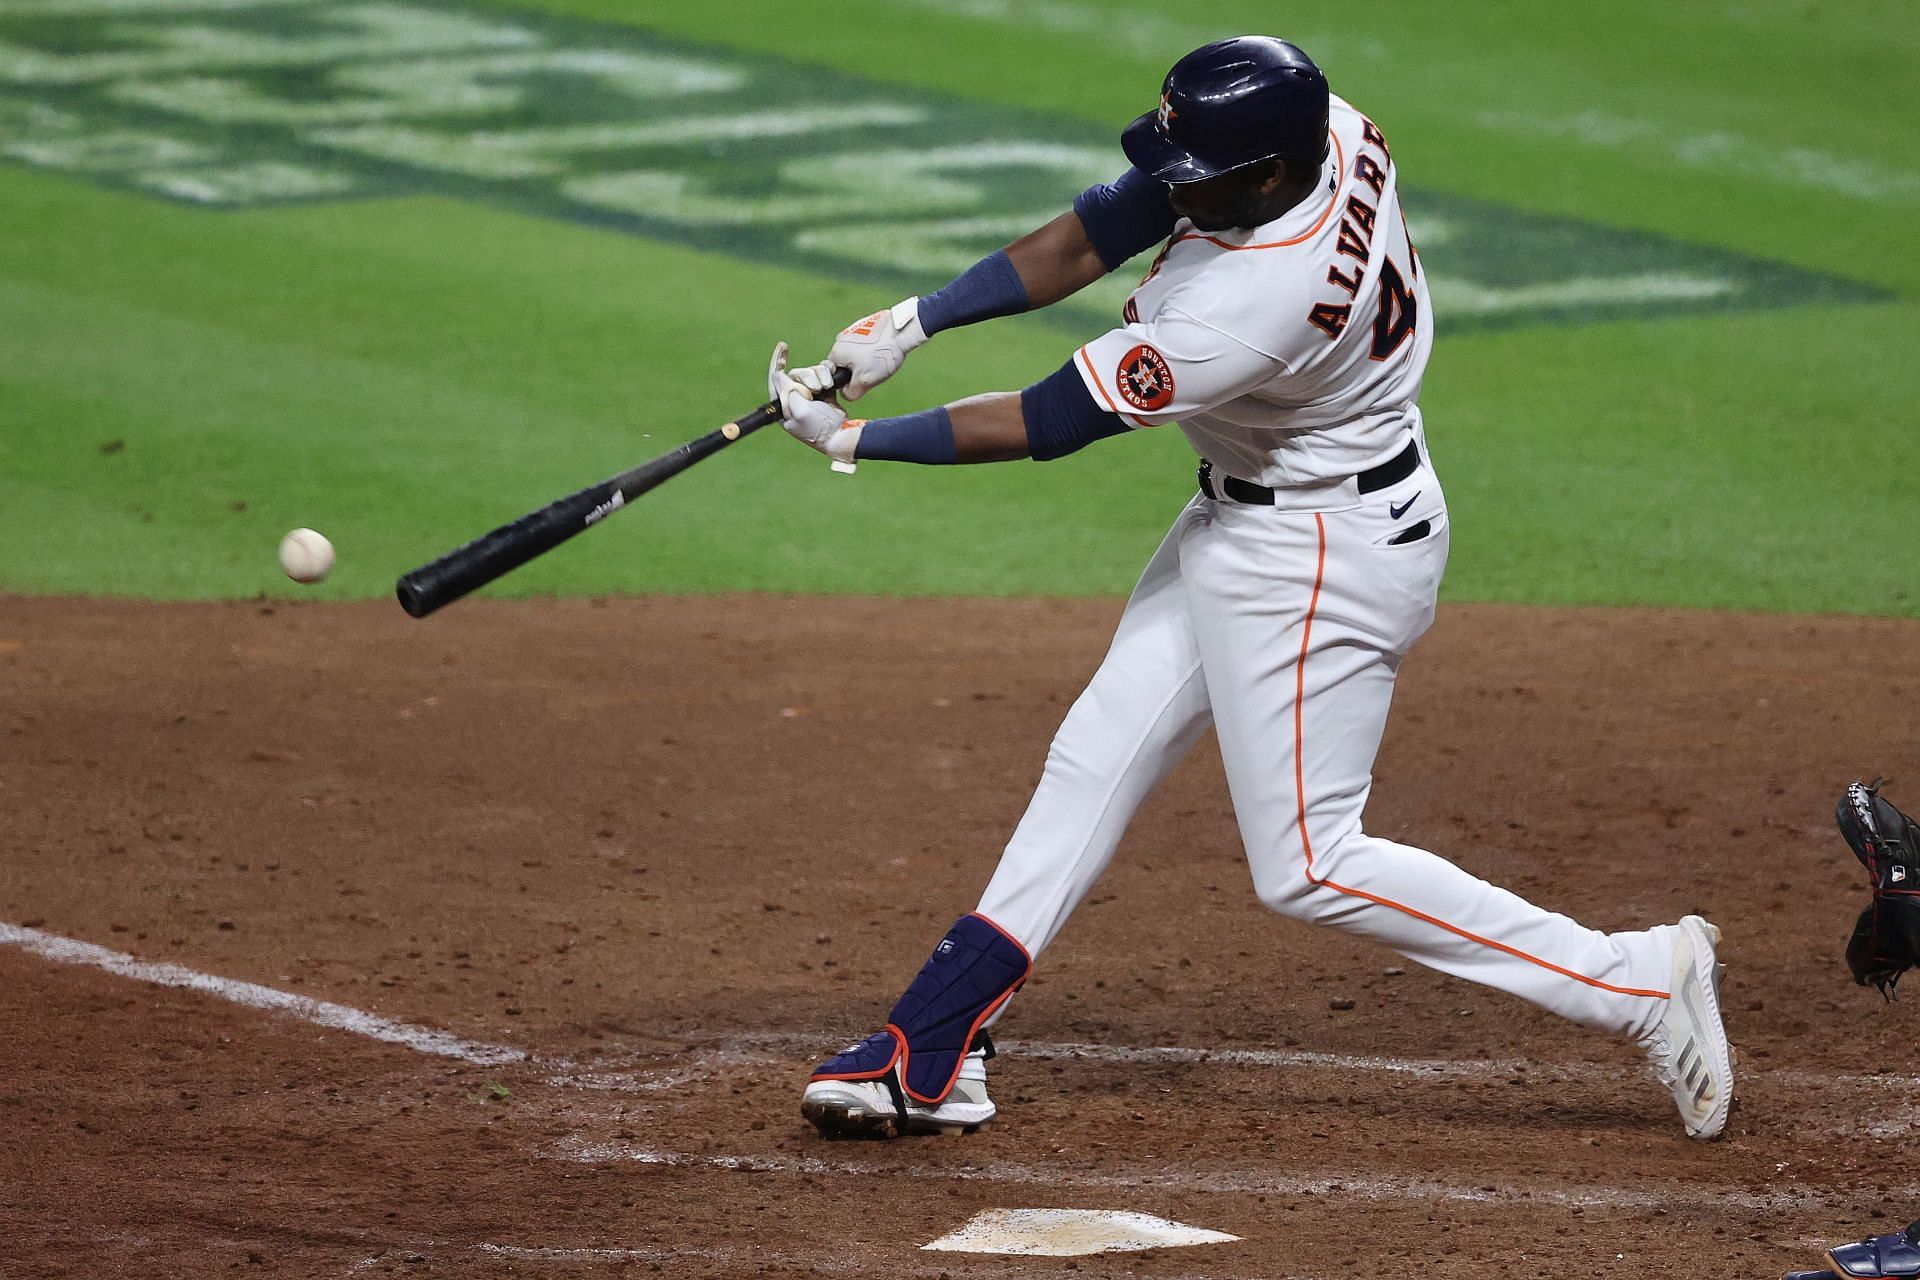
column 1247, row 338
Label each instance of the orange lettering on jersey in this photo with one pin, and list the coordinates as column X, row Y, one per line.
column 1351, row 244
column 1368, row 170
column 1370, row 133
column 1358, row 222
column 1362, row 214
column 1144, row 379
column 1329, row 317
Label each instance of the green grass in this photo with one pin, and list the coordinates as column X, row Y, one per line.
column 403, row 374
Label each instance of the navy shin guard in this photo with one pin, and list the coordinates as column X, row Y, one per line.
column 973, row 971
column 1893, row 1256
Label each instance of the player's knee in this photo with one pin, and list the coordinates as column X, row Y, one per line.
column 1282, row 894
column 1291, row 882
column 1281, row 881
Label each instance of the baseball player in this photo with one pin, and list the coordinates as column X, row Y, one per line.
column 1883, row 946
column 1285, row 325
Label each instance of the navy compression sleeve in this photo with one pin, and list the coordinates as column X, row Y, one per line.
column 1062, row 416
column 990, row 287
column 1126, row 215
column 926, row 437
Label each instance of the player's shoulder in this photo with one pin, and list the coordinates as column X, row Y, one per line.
column 1347, row 123
column 1228, row 305
column 1248, row 290
column 1353, row 129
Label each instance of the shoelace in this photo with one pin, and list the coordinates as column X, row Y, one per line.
column 1661, row 1054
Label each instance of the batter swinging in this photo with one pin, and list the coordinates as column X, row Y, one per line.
column 1286, row 326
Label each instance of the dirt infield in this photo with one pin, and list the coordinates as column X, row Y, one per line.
column 615, row 874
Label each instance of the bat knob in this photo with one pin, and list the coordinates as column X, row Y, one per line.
column 844, row 468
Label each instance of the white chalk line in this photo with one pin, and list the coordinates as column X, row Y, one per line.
column 321, row 1013
column 790, row 1044
column 1165, row 1177
column 832, row 1261
column 759, row 1051
column 782, row 1048
column 325, row 1013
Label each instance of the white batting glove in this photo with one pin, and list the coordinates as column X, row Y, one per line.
column 820, row 423
column 874, row 348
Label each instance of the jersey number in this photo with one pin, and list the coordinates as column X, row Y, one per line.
column 1399, row 312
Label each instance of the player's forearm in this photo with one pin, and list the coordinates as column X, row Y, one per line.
column 989, row 428
column 985, row 428
column 1056, row 261
column 1034, row 271
column 1108, row 224
column 1050, row 419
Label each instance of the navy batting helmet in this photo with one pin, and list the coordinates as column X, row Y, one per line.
column 1228, row 104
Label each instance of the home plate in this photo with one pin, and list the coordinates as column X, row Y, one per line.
column 1067, row 1233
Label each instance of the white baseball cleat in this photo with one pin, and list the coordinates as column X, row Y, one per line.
column 1689, row 1048
column 868, row 1109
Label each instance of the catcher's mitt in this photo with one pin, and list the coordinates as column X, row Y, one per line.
column 1886, row 938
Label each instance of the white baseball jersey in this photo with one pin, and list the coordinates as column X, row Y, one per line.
column 1291, row 354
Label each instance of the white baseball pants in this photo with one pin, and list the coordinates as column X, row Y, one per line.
column 1284, row 629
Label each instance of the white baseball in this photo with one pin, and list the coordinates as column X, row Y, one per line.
column 307, row 556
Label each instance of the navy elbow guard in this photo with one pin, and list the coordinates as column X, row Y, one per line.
column 1062, row 416
column 1125, row 216
column 976, row 968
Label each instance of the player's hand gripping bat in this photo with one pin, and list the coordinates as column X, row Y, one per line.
column 495, row 554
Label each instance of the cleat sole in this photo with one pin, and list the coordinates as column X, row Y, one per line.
column 836, row 1122
column 845, row 1122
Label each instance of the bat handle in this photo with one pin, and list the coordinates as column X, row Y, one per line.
column 770, row 412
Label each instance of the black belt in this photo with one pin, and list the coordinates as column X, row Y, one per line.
column 1384, row 476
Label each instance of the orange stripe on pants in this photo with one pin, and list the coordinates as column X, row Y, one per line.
column 1306, row 841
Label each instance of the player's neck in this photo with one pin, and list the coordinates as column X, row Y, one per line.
column 1286, row 198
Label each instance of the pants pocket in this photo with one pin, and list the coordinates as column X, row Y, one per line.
column 1412, row 533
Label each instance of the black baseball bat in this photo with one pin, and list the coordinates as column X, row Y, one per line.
column 495, row 554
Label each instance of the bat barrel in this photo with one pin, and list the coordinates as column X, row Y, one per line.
column 491, row 555
column 487, row 557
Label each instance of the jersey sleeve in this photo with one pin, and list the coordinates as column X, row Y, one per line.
column 1170, row 368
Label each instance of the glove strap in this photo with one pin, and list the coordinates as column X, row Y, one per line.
column 906, row 324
